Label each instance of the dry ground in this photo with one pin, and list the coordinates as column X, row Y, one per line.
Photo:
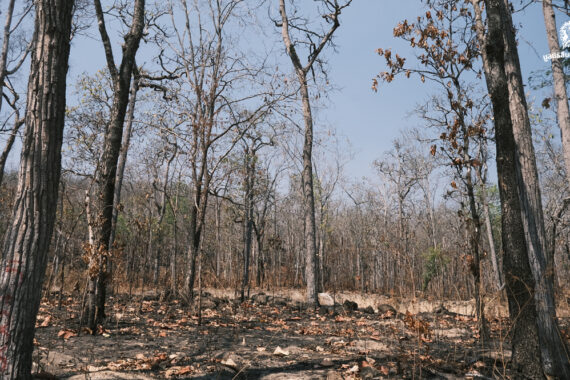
column 270, row 337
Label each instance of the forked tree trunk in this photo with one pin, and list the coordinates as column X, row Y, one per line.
column 27, row 240
column 311, row 264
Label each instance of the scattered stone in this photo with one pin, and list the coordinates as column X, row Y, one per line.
column 207, row 303
column 386, row 310
column 333, row 375
column 280, row 352
column 230, row 363
column 293, row 350
column 279, row 301
column 327, row 362
column 354, row 369
column 260, row 298
column 368, row 310
column 325, row 299
column 369, row 373
column 349, row 305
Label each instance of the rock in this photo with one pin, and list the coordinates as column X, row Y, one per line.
column 260, row 299
column 293, row 350
column 325, row 299
column 110, row 375
column 207, row 303
column 333, row 375
column 232, row 361
column 280, row 301
column 280, row 352
column 327, row 362
column 349, row 305
column 387, row 310
column 327, row 310
column 368, row 310
column 369, row 373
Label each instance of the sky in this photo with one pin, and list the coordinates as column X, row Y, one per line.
column 371, row 121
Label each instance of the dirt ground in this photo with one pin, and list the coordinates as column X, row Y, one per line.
column 271, row 337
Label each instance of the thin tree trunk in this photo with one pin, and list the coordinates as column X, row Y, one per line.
column 122, row 162
column 559, row 81
column 103, row 199
column 490, row 238
column 249, row 163
column 27, row 240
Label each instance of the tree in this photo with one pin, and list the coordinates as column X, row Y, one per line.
column 26, row 243
column 6, row 72
column 559, row 81
column 101, row 207
column 333, row 11
column 210, row 98
column 538, row 346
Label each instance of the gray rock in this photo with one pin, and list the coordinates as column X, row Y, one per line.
column 349, row 305
column 385, row 308
column 368, row 310
column 325, row 299
column 260, row 299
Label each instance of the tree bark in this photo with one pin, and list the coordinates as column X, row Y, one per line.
column 102, row 200
column 538, row 349
column 559, row 81
column 249, row 167
column 27, row 239
column 301, row 71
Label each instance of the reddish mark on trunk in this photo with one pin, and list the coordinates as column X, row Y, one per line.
column 3, row 359
column 5, row 330
column 13, row 266
column 6, row 299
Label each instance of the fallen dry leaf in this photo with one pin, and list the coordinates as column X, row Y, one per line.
column 66, row 334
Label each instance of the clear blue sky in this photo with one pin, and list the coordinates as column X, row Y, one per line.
column 373, row 120
column 370, row 120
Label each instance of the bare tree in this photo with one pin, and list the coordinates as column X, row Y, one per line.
column 332, row 10
column 6, row 72
column 559, row 80
column 101, row 207
column 26, row 243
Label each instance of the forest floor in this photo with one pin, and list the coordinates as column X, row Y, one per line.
column 272, row 337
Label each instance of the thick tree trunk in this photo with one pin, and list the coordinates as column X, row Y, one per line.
column 102, row 200
column 559, row 80
column 555, row 359
column 538, row 349
column 27, row 240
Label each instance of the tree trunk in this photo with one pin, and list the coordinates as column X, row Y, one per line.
column 555, row 360
column 122, row 161
column 559, row 81
column 309, row 196
column 537, row 346
column 102, row 200
column 27, row 240
column 249, row 163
